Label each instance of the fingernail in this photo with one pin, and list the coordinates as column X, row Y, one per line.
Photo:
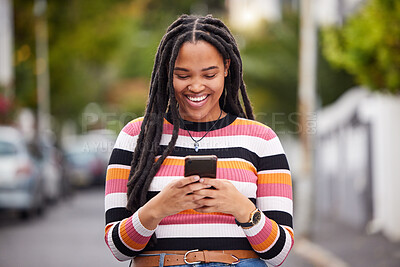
column 196, row 178
column 201, row 180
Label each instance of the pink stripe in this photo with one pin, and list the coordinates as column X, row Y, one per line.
column 171, row 170
column 262, row 235
column 278, row 190
column 116, row 186
column 236, row 175
column 198, row 219
column 133, row 234
column 133, row 128
column 249, row 130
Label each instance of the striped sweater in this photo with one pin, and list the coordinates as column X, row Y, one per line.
column 250, row 155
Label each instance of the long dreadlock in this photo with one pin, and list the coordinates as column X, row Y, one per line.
column 186, row 28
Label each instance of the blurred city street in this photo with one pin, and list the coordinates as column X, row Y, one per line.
column 324, row 75
column 70, row 233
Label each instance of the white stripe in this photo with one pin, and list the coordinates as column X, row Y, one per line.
column 278, row 259
column 113, row 249
column 199, row 230
column 139, row 227
column 274, row 171
column 258, row 145
column 256, row 228
column 126, row 141
column 275, row 203
column 115, row 200
column 246, row 188
column 118, row 166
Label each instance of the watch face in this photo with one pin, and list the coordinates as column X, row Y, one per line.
column 256, row 217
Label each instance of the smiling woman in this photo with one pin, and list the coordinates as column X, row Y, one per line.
column 157, row 217
column 199, row 75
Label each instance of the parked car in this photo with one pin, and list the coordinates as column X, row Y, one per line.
column 21, row 182
column 86, row 158
column 51, row 168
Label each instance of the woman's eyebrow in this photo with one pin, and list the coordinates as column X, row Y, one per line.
column 181, row 69
column 205, row 69
column 210, row 68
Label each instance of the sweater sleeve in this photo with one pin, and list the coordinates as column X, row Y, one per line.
column 125, row 235
column 272, row 238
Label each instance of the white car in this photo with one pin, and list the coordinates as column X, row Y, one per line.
column 21, row 184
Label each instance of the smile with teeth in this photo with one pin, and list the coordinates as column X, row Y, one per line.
column 197, row 99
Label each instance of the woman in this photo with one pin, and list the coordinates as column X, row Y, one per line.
column 157, row 217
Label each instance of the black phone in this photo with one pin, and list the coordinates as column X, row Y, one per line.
column 203, row 166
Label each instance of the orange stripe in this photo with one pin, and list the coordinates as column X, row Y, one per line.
column 191, row 212
column 246, row 122
column 108, row 227
column 116, row 173
column 136, row 120
column 290, row 231
column 271, row 238
column 275, row 178
column 173, row 161
column 127, row 239
column 236, row 165
column 220, row 164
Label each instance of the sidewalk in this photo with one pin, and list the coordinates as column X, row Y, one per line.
column 338, row 245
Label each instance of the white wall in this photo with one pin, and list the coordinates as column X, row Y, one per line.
column 358, row 153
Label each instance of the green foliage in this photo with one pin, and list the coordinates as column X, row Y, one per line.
column 368, row 45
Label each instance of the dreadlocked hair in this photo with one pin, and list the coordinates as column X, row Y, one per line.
column 187, row 28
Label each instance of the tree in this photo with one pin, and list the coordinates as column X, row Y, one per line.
column 368, row 45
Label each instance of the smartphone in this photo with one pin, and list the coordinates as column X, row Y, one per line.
column 204, row 166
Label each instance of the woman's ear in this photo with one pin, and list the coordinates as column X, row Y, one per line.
column 226, row 67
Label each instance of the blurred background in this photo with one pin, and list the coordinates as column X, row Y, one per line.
column 325, row 75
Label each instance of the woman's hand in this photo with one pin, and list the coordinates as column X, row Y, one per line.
column 224, row 198
column 174, row 198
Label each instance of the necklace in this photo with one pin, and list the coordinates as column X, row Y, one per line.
column 196, row 142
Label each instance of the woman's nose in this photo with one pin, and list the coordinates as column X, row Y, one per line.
column 196, row 87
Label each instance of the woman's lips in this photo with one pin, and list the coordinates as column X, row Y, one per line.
column 196, row 101
column 197, row 98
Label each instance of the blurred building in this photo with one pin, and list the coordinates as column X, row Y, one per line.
column 357, row 171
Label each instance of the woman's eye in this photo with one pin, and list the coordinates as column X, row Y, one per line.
column 209, row 76
column 182, row 76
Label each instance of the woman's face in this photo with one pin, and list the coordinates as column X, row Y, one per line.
column 199, row 75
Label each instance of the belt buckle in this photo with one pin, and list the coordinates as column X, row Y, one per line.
column 237, row 260
column 190, row 251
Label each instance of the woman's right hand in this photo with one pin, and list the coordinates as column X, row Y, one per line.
column 174, row 198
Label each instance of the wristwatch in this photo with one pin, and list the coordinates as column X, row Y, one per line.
column 255, row 217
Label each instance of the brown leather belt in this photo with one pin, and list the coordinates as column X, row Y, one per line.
column 192, row 257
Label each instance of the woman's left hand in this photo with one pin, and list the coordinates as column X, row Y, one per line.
column 224, row 198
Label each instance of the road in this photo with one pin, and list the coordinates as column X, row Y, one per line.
column 70, row 234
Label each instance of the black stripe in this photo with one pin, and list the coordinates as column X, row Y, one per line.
column 117, row 214
column 204, row 126
column 222, row 153
column 274, row 162
column 222, row 243
column 119, row 245
column 119, row 156
column 277, row 248
column 280, row 217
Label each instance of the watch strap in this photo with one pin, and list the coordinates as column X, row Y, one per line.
column 250, row 223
